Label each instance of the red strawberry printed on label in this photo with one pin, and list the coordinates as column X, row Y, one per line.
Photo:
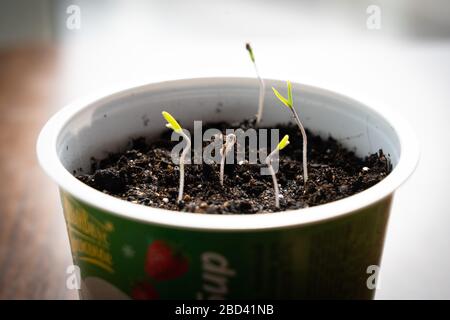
column 164, row 263
column 144, row 291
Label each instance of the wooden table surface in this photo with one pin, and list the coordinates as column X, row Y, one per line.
column 34, row 247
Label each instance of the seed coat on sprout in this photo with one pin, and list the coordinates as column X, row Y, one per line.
column 262, row 86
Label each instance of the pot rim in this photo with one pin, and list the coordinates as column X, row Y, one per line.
column 48, row 158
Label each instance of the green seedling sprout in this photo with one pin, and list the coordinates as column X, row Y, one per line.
column 289, row 102
column 175, row 126
column 262, row 86
column 283, row 143
column 230, row 140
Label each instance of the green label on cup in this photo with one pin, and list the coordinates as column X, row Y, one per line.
column 124, row 258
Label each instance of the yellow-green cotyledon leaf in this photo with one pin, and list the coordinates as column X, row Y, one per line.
column 289, row 87
column 281, row 98
column 172, row 123
column 283, row 143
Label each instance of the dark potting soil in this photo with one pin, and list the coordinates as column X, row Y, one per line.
column 145, row 174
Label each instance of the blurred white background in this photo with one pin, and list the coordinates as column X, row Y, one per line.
column 403, row 66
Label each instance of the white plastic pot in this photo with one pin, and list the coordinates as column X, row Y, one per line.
column 323, row 251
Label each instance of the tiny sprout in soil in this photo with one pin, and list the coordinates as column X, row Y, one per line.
column 230, row 140
column 262, row 86
column 289, row 102
column 175, row 126
column 283, row 143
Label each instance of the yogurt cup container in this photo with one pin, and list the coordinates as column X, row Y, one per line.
column 125, row 250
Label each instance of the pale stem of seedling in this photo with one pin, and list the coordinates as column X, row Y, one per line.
column 230, row 140
column 289, row 102
column 175, row 126
column 262, row 86
column 305, row 145
column 183, row 156
column 283, row 143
